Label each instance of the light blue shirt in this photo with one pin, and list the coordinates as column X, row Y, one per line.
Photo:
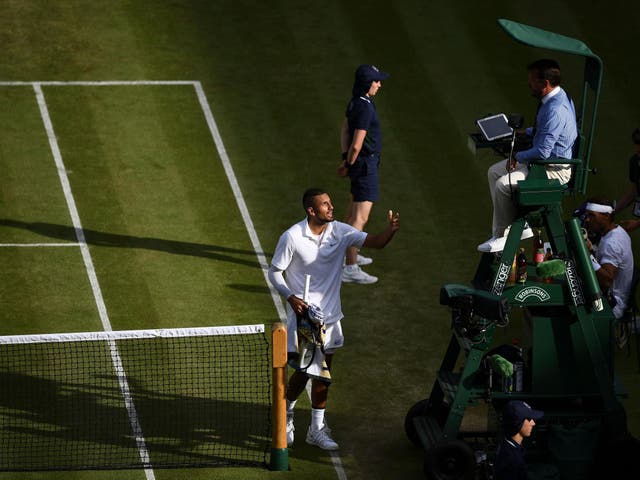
column 556, row 129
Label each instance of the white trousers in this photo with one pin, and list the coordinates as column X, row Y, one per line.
column 501, row 184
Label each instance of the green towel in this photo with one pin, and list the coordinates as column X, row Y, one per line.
column 501, row 365
column 551, row 268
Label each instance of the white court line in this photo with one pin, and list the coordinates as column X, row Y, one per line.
column 237, row 193
column 20, row 245
column 93, row 279
column 103, row 83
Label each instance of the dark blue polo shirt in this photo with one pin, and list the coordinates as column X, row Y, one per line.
column 510, row 464
column 361, row 115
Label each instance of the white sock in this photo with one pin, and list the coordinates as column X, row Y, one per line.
column 351, row 268
column 291, row 405
column 317, row 418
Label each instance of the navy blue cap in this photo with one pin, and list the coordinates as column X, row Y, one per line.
column 514, row 415
column 369, row 73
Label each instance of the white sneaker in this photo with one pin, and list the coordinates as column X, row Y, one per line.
column 362, row 261
column 493, row 245
column 321, row 439
column 354, row 274
column 290, row 429
column 526, row 233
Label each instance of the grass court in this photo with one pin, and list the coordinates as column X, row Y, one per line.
column 121, row 100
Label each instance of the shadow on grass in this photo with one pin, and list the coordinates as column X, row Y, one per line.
column 249, row 288
column 105, row 239
column 50, row 424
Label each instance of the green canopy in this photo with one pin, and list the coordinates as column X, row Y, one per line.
column 536, row 37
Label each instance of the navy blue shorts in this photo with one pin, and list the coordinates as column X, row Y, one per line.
column 364, row 178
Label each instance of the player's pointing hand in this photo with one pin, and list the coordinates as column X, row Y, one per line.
column 394, row 220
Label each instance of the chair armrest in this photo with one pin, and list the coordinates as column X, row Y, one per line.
column 547, row 161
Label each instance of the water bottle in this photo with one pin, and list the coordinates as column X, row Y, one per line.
column 538, row 249
column 521, row 267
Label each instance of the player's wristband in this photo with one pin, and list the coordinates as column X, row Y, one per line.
column 344, row 156
column 594, row 262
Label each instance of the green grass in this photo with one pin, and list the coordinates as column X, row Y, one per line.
column 164, row 231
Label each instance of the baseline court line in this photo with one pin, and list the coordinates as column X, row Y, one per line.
column 103, row 83
column 20, row 245
column 93, row 280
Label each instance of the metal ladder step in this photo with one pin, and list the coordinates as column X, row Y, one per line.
column 448, row 382
column 428, row 430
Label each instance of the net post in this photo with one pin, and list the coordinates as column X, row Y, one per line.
column 279, row 451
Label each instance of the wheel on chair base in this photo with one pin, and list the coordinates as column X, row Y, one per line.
column 450, row 460
column 423, row 408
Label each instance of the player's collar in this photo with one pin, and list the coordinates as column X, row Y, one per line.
column 318, row 238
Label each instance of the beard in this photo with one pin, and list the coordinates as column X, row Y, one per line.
column 328, row 218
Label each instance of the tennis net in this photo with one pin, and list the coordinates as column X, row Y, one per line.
column 135, row 399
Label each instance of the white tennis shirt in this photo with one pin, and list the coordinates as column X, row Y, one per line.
column 615, row 248
column 300, row 252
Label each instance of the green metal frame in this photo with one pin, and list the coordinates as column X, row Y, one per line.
column 571, row 357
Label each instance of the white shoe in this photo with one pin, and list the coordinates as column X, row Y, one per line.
column 493, row 245
column 526, row 233
column 354, row 274
column 362, row 261
column 321, row 439
column 290, row 429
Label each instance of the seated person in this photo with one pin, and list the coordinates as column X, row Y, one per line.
column 554, row 134
column 518, row 420
column 613, row 259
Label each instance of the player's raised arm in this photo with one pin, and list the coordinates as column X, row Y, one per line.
column 381, row 239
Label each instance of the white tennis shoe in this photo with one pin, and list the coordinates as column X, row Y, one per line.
column 321, row 438
column 362, row 260
column 290, row 429
column 495, row 244
column 354, row 274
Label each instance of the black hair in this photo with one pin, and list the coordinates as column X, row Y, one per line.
column 511, row 426
column 361, row 87
column 307, row 197
column 635, row 136
column 546, row 69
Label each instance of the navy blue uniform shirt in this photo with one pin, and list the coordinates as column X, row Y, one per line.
column 361, row 115
column 510, row 464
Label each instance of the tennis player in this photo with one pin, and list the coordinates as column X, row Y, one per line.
column 316, row 246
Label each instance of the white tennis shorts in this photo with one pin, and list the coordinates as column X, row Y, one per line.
column 333, row 338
